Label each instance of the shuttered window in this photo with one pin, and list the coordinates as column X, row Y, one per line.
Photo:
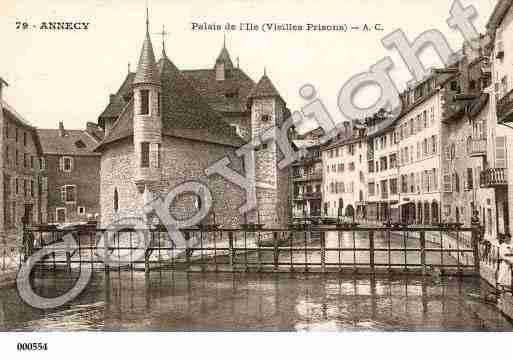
column 500, row 152
column 145, row 154
column 145, row 103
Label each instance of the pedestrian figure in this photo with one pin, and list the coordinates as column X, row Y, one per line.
column 504, row 276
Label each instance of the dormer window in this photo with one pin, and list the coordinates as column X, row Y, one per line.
column 145, row 102
column 265, row 118
column 80, row 144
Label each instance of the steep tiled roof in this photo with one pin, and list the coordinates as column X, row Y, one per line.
column 74, row 142
column 229, row 95
column 184, row 113
column 224, row 57
column 264, row 88
column 147, row 72
column 118, row 101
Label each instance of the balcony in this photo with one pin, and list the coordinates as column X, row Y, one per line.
column 314, row 176
column 505, row 108
column 478, row 147
column 308, row 196
column 493, row 177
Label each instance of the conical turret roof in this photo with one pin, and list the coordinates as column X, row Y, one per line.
column 224, row 58
column 147, row 71
column 264, row 88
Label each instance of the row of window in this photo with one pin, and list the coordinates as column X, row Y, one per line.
column 427, row 147
column 341, row 167
column 340, row 187
column 339, row 151
column 383, row 164
column 16, row 133
column 415, row 124
column 27, row 160
column 22, row 186
column 383, row 188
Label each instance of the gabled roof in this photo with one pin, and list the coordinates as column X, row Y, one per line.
column 229, row 95
column 264, row 88
column 74, row 142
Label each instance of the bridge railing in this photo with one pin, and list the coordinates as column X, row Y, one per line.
column 301, row 248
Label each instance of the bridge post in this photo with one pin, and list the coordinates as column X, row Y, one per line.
column 187, row 237
column 323, row 251
column 230, row 245
column 423, row 251
column 371, row 251
column 275, row 252
column 476, row 238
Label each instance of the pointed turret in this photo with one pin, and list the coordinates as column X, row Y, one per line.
column 147, row 117
column 147, row 72
column 264, row 89
column 223, row 63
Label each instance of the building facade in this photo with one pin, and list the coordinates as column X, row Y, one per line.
column 307, row 178
column 72, row 170
column 382, row 169
column 165, row 126
column 22, row 197
column 344, row 167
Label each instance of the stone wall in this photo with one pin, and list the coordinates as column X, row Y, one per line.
column 182, row 160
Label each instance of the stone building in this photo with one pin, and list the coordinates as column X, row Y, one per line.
column 307, row 177
column 344, row 162
column 166, row 126
column 72, row 170
column 497, row 173
column 21, row 178
column 382, row 170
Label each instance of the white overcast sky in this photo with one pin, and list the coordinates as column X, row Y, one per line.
column 68, row 76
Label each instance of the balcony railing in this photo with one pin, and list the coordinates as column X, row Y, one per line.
column 477, row 147
column 308, row 195
column 493, row 177
column 314, row 176
column 505, row 107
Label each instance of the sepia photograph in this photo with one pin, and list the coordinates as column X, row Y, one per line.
column 173, row 169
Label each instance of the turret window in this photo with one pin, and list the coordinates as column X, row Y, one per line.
column 145, row 102
column 145, row 154
column 158, row 104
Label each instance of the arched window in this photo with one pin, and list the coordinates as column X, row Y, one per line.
column 116, row 204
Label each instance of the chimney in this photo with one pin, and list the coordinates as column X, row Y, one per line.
column 2, row 84
column 62, row 133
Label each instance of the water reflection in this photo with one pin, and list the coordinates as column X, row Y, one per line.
column 176, row 301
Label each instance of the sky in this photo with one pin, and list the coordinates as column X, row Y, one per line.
column 68, row 75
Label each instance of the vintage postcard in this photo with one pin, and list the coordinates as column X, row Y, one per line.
column 254, row 166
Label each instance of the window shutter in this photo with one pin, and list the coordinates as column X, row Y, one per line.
column 63, row 193
column 447, row 182
column 61, row 164
column 500, row 152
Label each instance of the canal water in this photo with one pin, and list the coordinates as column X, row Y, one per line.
column 180, row 301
